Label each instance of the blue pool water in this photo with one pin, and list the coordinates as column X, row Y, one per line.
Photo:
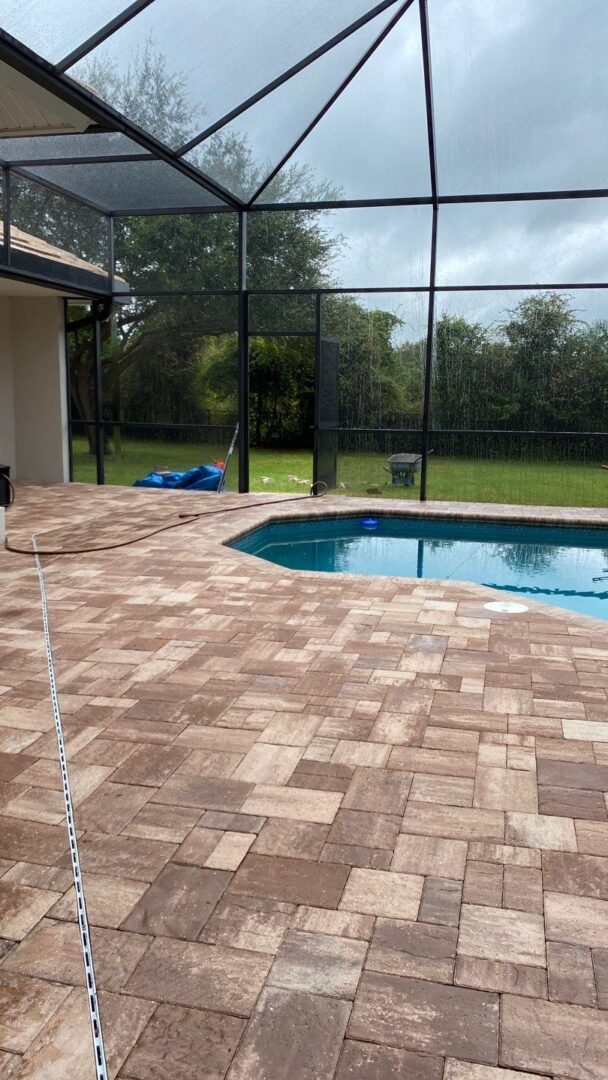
column 563, row 566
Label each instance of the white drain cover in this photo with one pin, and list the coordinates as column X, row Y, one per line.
column 508, row 606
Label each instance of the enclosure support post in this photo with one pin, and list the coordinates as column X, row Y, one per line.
column 315, row 451
column 99, row 435
column 6, row 214
column 243, row 355
column 111, row 253
column 430, row 128
column 428, row 362
column 68, row 391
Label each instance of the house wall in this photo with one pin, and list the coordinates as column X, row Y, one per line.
column 33, row 412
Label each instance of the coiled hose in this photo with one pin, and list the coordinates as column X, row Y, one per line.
column 183, row 519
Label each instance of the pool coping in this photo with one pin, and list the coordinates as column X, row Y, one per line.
column 566, row 517
column 570, row 517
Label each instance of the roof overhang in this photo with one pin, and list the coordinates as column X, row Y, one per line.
column 27, row 108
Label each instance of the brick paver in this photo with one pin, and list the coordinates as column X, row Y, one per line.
column 330, row 826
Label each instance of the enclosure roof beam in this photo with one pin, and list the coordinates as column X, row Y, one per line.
column 526, row 196
column 293, row 70
column 427, row 200
column 90, row 159
column 102, row 34
column 428, row 97
column 334, row 97
column 164, row 211
column 344, row 204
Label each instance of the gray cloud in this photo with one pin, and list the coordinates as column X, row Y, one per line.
column 521, row 94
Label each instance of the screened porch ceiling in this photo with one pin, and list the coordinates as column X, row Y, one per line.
column 204, row 106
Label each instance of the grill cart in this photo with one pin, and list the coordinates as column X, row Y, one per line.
column 403, row 467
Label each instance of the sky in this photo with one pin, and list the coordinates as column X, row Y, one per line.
column 521, row 103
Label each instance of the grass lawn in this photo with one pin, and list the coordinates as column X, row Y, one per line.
column 460, row 479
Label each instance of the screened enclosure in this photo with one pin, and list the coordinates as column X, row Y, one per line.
column 361, row 232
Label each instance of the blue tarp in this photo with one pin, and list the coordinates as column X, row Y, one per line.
column 200, row 478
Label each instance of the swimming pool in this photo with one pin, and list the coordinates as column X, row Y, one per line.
column 558, row 565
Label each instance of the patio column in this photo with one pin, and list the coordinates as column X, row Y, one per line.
column 37, row 341
column 7, row 397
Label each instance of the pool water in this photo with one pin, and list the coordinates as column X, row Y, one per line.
column 558, row 565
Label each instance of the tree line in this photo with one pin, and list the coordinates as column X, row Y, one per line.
column 538, row 368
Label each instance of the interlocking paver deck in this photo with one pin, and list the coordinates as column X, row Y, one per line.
column 330, row 827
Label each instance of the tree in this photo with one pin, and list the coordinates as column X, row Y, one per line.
column 146, row 92
column 460, row 351
column 580, row 385
column 159, row 344
column 539, row 369
column 380, row 381
column 539, row 333
column 282, row 381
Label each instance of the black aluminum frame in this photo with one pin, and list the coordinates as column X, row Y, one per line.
column 54, row 79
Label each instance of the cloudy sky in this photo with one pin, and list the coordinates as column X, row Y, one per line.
column 521, row 101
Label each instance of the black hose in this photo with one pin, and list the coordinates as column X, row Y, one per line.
column 183, row 519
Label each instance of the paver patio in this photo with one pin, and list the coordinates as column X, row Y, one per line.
column 329, row 826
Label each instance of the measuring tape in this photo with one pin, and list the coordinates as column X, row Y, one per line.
column 81, row 909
